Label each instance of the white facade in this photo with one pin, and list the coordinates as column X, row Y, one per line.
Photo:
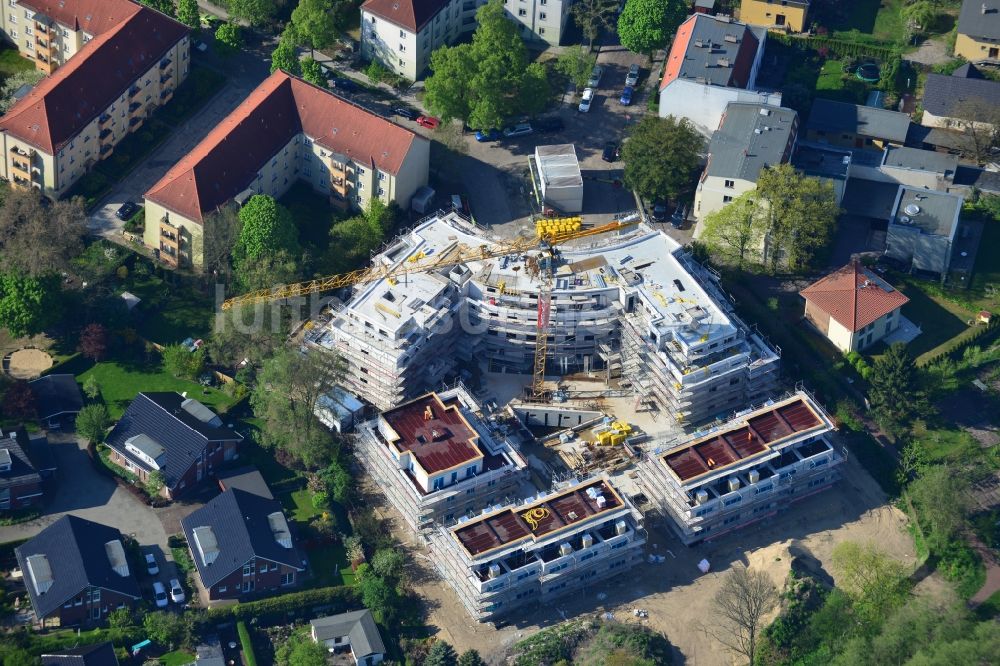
column 559, row 177
column 703, row 105
column 715, row 193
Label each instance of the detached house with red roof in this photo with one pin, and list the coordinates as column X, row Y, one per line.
column 713, row 61
column 111, row 64
column 853, row 307
column 287, row 130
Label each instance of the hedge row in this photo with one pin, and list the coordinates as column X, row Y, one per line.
column 984, row 336
column 841, row 47
column 295, row 605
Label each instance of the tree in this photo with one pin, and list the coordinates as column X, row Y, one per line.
column 301, row 650
column 285, row 55
column 741, row 603
column 15, row 82
column 315, row 23
column 920, row 15
column 265, row 271
column 183, row 363
column 91, row 388
column 267, row 228
column 38, row 237
column 576, row 63
column 471, row 658
column 377, row 595
column 188, row 13
column 171, row 629
column 230, row 37
column 121, row 618
column 801, row 214
column 255, row 12
column 220, row 233
column 593, row 16
column 941, row 497
column 313, row 72
column 155, row 483
column 94, row 341
column 93, row 421
column 352, row 241
column 248, row 332
column 735, row 231
column 164, row 6
column 441, row 654
column 646, row 25
column 892, row 390
column 978, row 121
column 388, row 563
column 289, row 385
column 447, row 91
column 19, row 401
column 875, row 582
column 535, row 90
column 28, row 304
column 661, row 156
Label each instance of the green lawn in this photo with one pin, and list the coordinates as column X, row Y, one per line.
column 834, row 84
column 120, row 382
column 939, row 320
column 987, row 268
column 176, row 658
column 949, row 446
column 329, row 565
column 170, row 313
column 299, row 505
column 313, row 215
column 889, row 23
column 12, row 62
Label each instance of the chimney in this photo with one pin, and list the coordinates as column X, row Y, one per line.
column 428, row 413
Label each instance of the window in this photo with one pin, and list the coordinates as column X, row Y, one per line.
column 542, row 16
column 730, row 184
column 402, row 48
column 381, row 175
column 541, row 31
column 522, row 12
column 288, row 578
column 402, row 34
column 247, row 569
column 361, row 186
column 726, row 199
column 381, row 191
column 438, row 482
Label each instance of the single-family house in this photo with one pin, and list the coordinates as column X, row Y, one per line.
column 923, row 228
column 964, row 99
column 787, row 15
column 354, row 633
column 99, row 654
column 856, row 126
column 978, row 38
column 24, row 465
column 57, row 398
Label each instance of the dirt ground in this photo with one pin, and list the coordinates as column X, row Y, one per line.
column 29, row 363
column 675, row 594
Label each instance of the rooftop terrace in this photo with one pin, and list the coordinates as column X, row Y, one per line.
column 572, row 507
column 436, row 434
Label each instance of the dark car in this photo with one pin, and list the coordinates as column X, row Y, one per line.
column 126, row 211
column 406, row 112
column 611, row 152
column 343, row 85
column 660, row 211
column 488, row 135
column 680, row 214
column 553, row 124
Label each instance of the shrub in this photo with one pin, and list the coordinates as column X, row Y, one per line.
column 278, row 609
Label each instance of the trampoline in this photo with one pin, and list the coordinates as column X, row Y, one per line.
column 868, row 72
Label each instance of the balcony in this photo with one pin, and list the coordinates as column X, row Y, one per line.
column 166, row 95
column 42, row 47
column 134, row 90
column 104, row 135
column 103, row 120
column 106, row 149
column 16, row 150
column 165, row 63
column 166, row 77
column 21, row 171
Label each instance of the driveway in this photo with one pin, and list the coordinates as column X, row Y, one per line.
column 244, row 72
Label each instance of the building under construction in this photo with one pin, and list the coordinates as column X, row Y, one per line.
column 546, row 547
column 439, row 457
column 629, row 307
column 747, row 469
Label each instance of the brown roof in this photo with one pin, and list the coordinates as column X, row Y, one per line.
column 854, row 296
column 91, row 16
column 61, row 105
column 226, row 161
column 409, row 14
column 438, row 436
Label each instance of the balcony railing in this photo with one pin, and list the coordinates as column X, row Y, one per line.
column 105, row 117
column 133, row 91
column 166, row 77
column 104, row 134
column 165, row 63
column 106, row 148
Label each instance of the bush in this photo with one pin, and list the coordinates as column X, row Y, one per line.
column 248, row 655
column 963, row 566
column 279, row 609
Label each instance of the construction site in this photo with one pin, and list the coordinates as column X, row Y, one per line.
column 533, row 399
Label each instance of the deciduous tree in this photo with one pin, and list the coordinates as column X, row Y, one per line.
column 646, row 25
column 170, row 629
column 164, row 6
column 289, row 385
column 230, row 37
column 801, row 214
column 576, row 62
column 735, row 232
column 978, row 121
column 876, row 583
column 188, row 13
column 19, row 401
column 183, row 363
column 285, row 55
column 255, row 12
column 220, row 233
column 941, row 497
column 740, row 605
column 94, row 341
column 315, row 23
column 312, row 72
column 661, row 157
column 93, row 422
column 301, row 650
column 155, row 483
column 28, row 304
column 593, row 16
column 15, row 82
column 40, row 237
column 267, row 228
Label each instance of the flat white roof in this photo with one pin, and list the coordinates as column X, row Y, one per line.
column 558, row 166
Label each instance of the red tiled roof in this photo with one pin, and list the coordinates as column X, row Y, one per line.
column 409, row 14
column 91, row 16
column 228, row 159
column 443, row 441
column 67, row 101
column 537, row 520
column 761, row 430
column 854, row 296
column 703, row 27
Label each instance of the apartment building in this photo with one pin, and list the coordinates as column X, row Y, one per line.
column 549, row 546
column 631, row 307
column 74, row 118
column 786, row 15
column 750, row 138
column 287, row 130
column 747, row 469
column 978, row 38
column 402, row 34
column 439, row 457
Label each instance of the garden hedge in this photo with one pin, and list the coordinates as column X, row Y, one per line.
column 295, row 605
column 841, row 47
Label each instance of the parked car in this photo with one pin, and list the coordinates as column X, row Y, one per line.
column 588, row 97
column 595, row 76
column 551, row 124
column 406, row 112
column 521, row 129
column 176, row 591
column 430, row 122
column 610, row 153
column 633, row 76
column 488, row 135
column 344, row 85
column 159, row 594
column 660, row 211
column 680, row 214
column 126, row 211
column 626, row 97
column 151, row 565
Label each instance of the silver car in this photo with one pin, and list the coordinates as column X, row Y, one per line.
column 633, row 76
column 595, row 76
column 588, row 97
